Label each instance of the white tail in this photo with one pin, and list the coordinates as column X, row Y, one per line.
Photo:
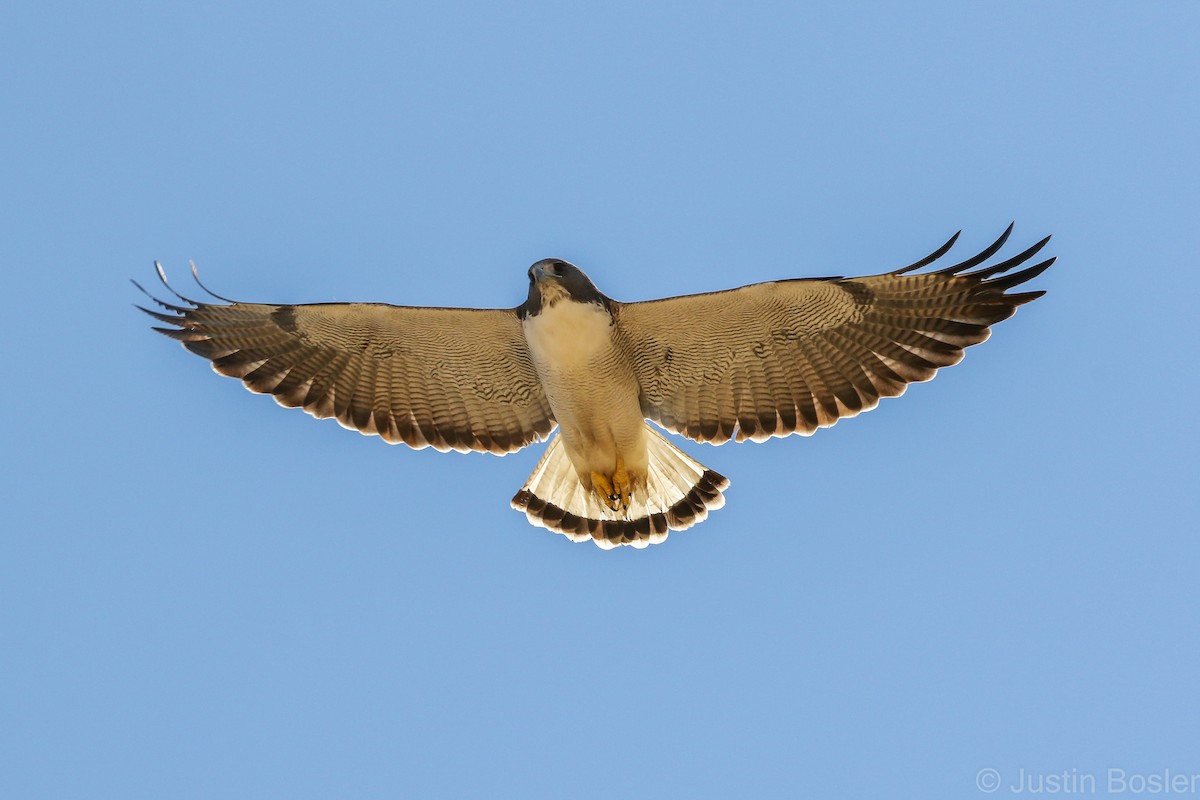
column 679, row 492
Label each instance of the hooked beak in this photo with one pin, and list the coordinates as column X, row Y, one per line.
column 546, row 268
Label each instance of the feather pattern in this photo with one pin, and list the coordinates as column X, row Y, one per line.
column 448, row 378
column 678, row 493
column 761, row 361
column 792, row 356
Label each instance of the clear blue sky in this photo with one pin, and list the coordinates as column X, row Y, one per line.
column 204, row 595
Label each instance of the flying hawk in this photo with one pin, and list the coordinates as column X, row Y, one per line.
column 769, row 359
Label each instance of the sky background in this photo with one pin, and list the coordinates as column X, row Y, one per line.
column 204, row 595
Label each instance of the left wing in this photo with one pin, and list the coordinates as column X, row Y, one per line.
column 772, row 359
column 449, row 378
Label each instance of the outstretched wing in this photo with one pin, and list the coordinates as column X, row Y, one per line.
column 449, row 378
column 792, row 356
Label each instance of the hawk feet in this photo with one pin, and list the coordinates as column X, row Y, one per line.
column 615, row 490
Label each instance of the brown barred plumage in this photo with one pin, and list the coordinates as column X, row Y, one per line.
column 769, row 359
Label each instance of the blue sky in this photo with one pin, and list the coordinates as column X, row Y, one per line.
column 204, row 595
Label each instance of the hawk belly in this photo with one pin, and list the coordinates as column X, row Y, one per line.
column 603, row 437
column 590, row 387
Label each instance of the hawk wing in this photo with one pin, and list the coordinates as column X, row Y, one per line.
column 772, row 359
column 449, row 378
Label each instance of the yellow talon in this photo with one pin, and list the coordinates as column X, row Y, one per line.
column 603, row 487
column 622, row 486
column 615, row 490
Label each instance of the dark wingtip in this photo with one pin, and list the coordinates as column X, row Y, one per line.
column 167, row 318
column 168, row 306
column 983, row 256
column 162, row 276
column 934, row 256
column 1017, row 278
column 1005, row 266
column 196, row 278
column 181, row 334
column 1024, row 297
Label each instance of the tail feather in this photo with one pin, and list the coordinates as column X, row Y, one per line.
column 679, row 492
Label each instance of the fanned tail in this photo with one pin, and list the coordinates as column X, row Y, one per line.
column 679, row 492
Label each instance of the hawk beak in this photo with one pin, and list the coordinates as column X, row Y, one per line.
column 547, row 268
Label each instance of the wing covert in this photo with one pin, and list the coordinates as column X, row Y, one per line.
column 773, row 359
column 449, row 378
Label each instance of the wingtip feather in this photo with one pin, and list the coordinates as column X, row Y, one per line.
column 196, row 278
column 934, row 256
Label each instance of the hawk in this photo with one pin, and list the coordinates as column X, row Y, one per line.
column 764, row 360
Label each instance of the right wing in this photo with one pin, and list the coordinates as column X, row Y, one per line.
column 773, row 359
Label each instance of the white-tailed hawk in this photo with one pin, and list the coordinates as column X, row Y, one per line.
column 769, row 359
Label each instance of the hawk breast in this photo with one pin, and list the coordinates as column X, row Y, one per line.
column 568, row 336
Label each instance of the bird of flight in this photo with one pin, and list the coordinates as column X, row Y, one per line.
column 769, row 359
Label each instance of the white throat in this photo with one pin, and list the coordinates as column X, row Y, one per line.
column 567, row 335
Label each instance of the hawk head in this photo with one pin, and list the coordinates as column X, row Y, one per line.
column 552, row 280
